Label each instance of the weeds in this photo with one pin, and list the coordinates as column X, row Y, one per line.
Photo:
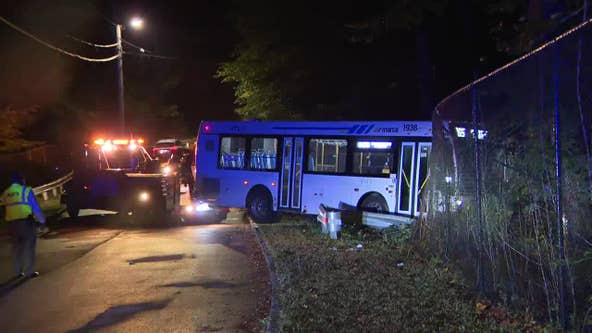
column 366, row 281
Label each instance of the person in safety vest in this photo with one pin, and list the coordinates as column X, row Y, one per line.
column 21, row 209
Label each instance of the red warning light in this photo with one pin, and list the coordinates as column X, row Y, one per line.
column 245, row 182
column 207, row 128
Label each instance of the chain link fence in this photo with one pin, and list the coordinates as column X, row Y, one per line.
column 511, row 181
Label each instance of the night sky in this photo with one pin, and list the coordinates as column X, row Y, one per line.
column 353, row 59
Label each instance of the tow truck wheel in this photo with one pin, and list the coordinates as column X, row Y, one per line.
column 72, row 210
column 260, row 207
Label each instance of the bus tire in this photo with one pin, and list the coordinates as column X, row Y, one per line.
column 260, row 207
column 375, row 203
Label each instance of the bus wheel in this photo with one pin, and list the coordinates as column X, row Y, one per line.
column 374, row 202
column 260, row 207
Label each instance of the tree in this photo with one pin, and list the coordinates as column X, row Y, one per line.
column 319, row 61
column 13, row 121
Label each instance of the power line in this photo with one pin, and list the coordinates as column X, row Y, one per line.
column 141, row 49
column 55, row 48
column 143, row 52
column 150, row 55
column 92, row 44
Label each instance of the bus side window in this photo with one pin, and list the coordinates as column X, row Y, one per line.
column 263, row 153
column 328, row 155
column 232, row 153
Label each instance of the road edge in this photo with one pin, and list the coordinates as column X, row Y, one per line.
column 275, row 308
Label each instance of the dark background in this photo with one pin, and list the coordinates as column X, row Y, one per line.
column 317, row 60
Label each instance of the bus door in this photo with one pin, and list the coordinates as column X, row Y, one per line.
column 291, row 175
column 413, row 176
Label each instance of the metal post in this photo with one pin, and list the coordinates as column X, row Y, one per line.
column 120, row 103
column 480, row 238
column 559, row 209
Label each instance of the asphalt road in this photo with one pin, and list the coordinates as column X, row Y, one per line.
column 197, row 278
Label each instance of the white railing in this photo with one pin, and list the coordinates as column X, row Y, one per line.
column 52, row 191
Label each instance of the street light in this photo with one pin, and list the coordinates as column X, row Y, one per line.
column 136, row 23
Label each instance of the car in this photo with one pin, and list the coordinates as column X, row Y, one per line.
column 164, row 148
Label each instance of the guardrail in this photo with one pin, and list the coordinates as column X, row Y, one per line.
column 49, row 195
column 330, row 219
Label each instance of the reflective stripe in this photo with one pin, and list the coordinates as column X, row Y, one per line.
column 26, row 194
column 16, row 203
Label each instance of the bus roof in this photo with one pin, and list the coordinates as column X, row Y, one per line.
column 334, row 128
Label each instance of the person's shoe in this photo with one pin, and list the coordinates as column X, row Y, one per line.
column 34, row 275
column 20, row 275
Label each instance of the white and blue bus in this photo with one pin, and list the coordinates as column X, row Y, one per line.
column 287, row 166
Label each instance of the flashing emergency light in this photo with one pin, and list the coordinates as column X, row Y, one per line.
column 107, row 146
column 112, row 144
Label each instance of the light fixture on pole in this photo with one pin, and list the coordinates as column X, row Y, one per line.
column 136, row 23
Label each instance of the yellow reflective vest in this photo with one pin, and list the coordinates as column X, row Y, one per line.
column 16, row 200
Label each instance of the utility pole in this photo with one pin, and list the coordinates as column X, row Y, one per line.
column 120, row 102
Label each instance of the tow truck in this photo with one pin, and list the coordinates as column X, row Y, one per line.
column 118, row 174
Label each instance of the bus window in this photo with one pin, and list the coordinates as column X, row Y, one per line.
column 232, row 153
column 373, row 158
column 327, row 155
column 263, row 154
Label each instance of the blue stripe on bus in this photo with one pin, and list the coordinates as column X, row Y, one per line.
column 315, row 128
column 369, row 128
column 353, row 129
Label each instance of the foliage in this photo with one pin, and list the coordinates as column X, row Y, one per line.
column 13, row 121
column 315, row 60
column 377, row 286
column 511, row 251
column 520, row 26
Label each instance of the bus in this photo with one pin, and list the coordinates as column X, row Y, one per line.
column 269, row 167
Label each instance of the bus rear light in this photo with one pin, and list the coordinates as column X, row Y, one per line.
column 85, row 187
column 273, row 183
column 207, row 128
column 245, row 182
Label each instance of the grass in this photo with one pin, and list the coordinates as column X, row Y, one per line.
column 364, row 282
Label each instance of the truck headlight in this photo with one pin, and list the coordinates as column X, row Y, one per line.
column 202, row 207
column 144, row 196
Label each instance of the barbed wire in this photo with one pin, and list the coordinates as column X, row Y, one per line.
column 55, row 48
column 515, row 61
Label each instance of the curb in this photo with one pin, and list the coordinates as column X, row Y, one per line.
column 274, row 311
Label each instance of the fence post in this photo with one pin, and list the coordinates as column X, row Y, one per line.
column 480, row 261
column 559, row 208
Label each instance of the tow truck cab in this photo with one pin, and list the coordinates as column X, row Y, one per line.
column 120, row 175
